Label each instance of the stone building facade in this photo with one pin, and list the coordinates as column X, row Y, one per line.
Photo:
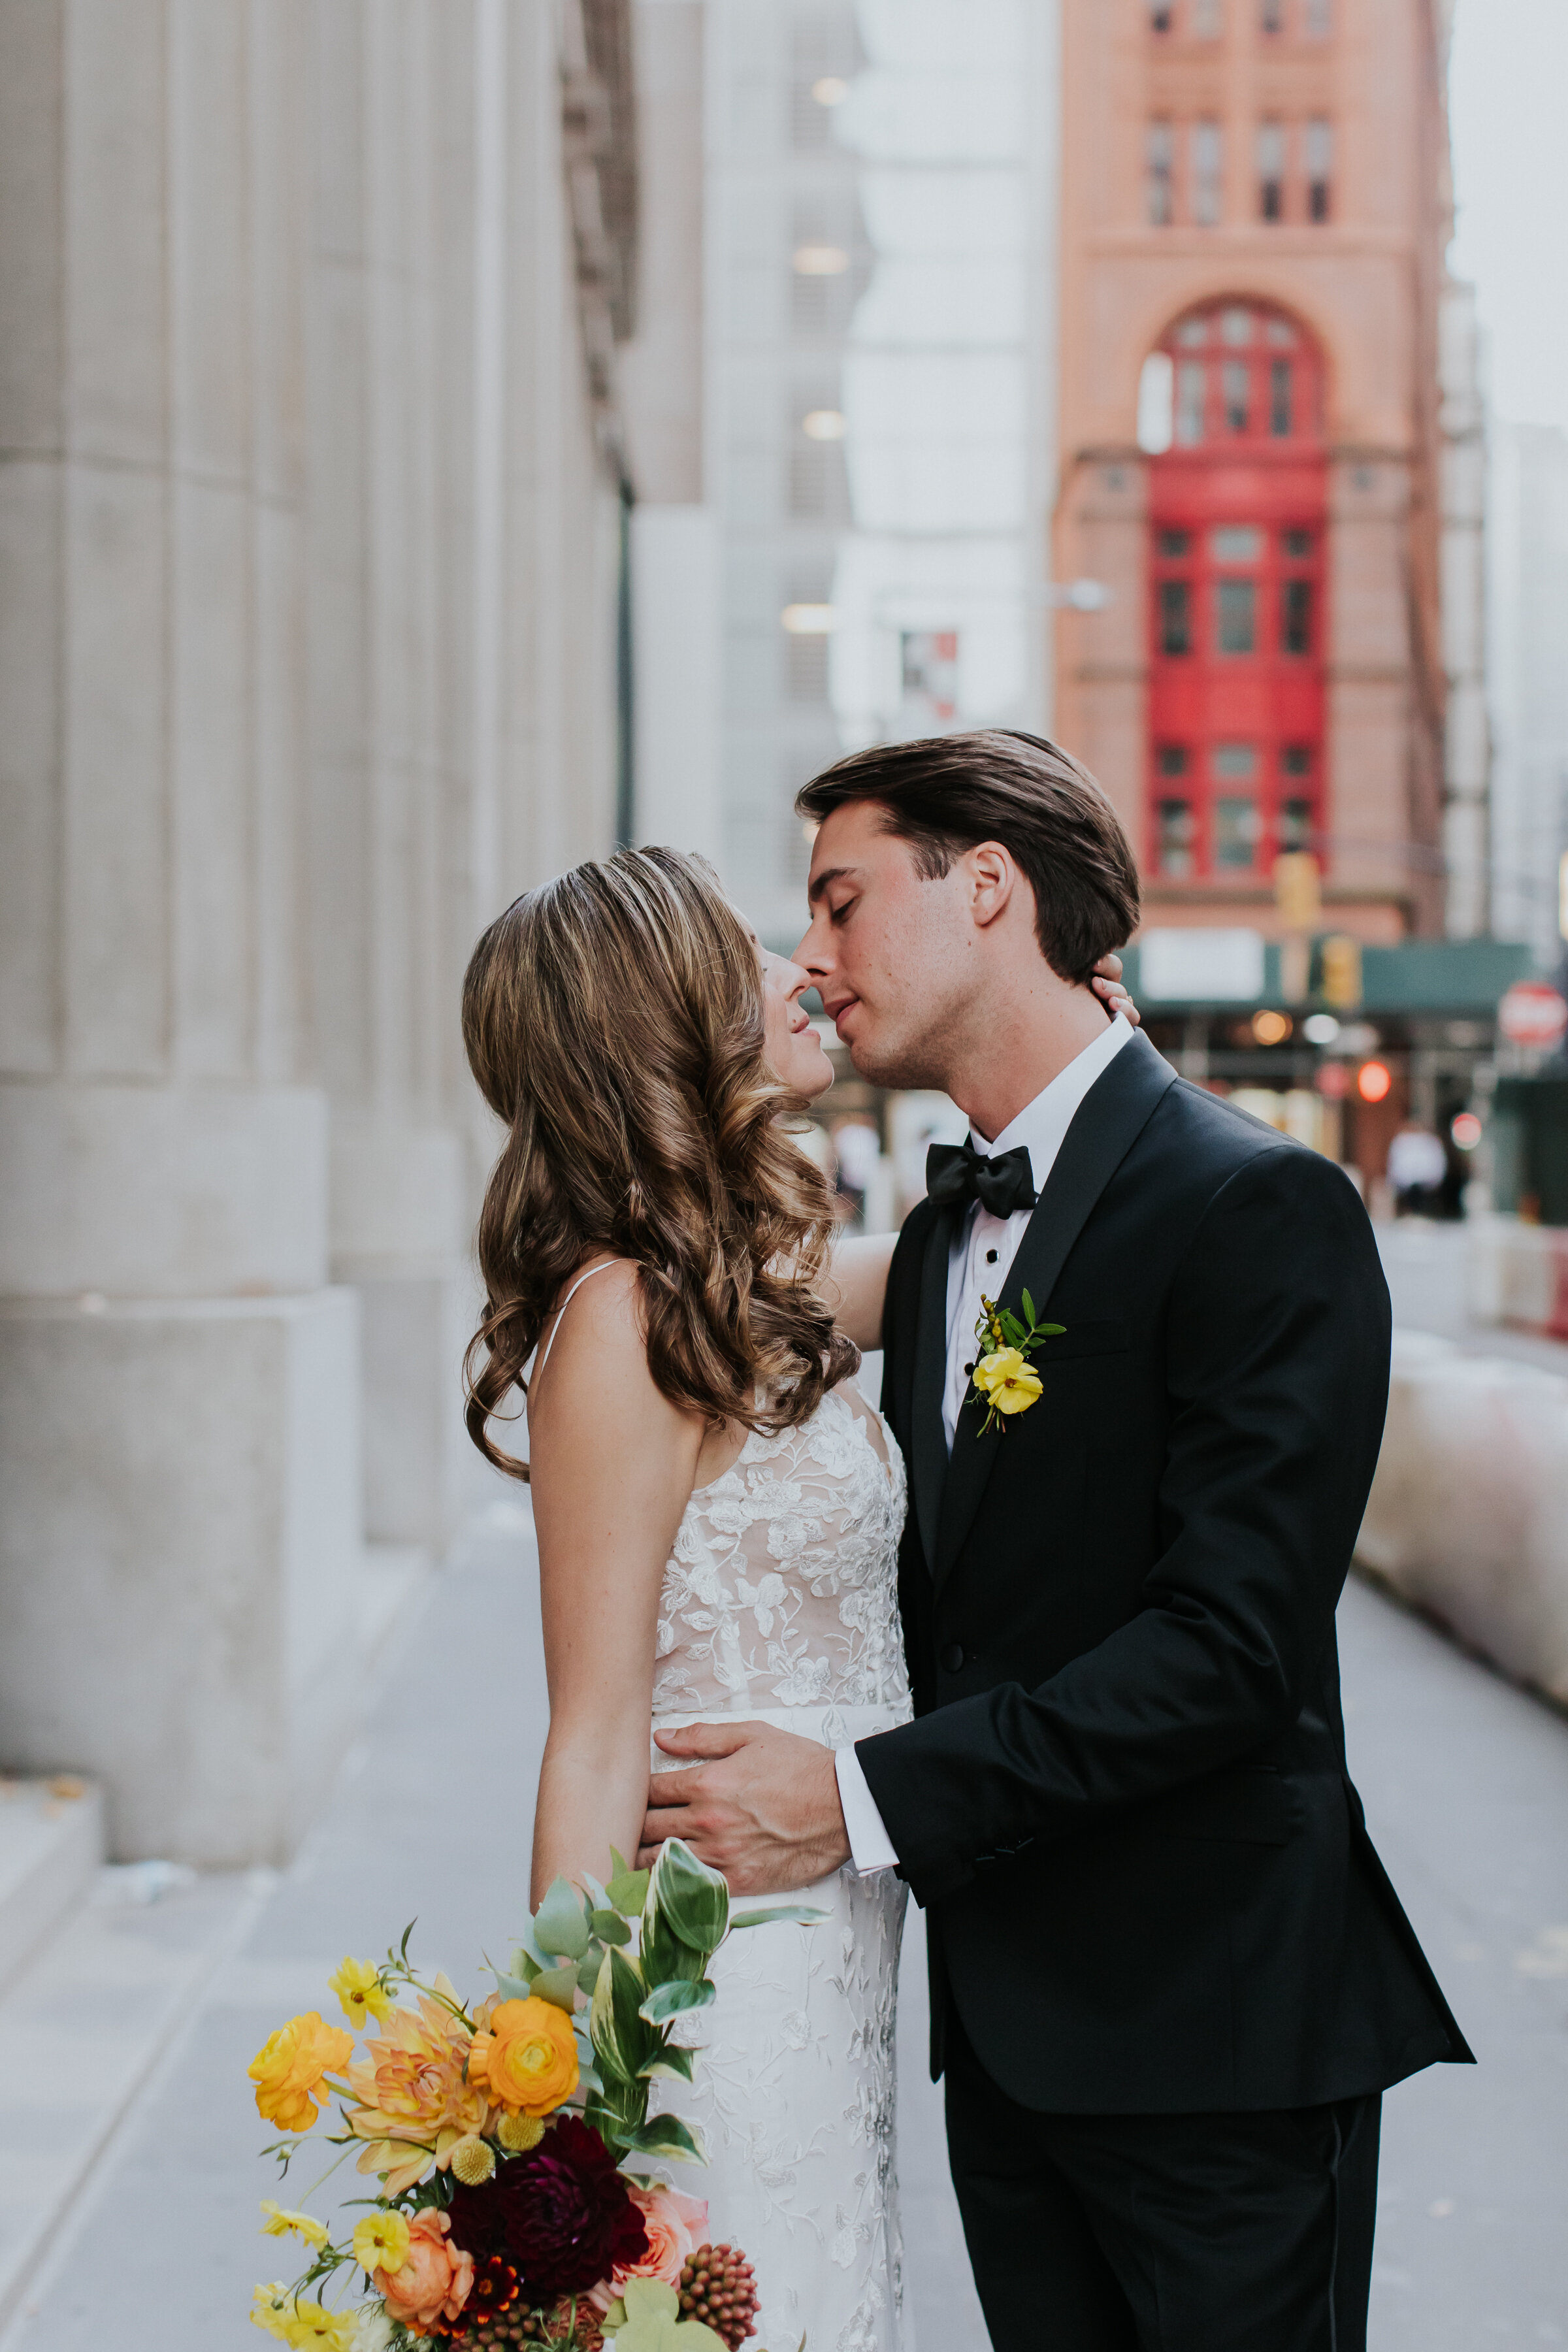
column 1267, row 460
column 311, row 545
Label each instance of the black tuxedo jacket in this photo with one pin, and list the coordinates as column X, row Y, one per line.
column 1123, row 1801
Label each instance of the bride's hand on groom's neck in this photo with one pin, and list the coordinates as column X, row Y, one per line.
column 760, row 1804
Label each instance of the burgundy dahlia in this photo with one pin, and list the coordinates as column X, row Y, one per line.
column 562, row 2213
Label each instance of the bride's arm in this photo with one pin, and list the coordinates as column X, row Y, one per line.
column 857, row 1283
column 613, row 1464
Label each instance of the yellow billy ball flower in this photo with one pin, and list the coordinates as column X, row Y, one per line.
column 1007, row 1380
column 518, row 2134
column 360, row 1996
column 281, row 2223
column 473, row 2160
column 381, row 2242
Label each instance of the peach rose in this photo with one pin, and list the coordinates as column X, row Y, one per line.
column 676, row 2227
column 433, row 2280
column 528, row 2060
column 288, row 2070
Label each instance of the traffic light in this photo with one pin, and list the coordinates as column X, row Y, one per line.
column 1340, row 971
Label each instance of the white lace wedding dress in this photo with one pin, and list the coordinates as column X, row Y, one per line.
column 780, row 1605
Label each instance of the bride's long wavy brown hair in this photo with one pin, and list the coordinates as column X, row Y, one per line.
column 613, row 1021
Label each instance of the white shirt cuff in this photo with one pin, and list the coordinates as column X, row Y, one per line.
column 870, row 1847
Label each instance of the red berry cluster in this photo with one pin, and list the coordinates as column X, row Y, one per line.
column 717, row 2288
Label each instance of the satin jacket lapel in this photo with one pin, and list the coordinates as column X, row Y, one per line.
column 1108, row 1123
column 928, row 1439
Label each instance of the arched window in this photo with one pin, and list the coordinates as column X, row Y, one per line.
column 1237, row 516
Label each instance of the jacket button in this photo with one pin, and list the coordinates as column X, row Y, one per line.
column 952, row 1657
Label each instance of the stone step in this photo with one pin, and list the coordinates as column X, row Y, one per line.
column 51, row 1842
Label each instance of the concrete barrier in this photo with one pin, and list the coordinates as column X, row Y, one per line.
column 1468, row 1514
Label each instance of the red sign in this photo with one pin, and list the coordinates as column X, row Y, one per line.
column 1531, row 1013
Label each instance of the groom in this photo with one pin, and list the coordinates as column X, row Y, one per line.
column 1170, row 1978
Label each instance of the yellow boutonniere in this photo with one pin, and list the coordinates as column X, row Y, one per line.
column 1005, row 1378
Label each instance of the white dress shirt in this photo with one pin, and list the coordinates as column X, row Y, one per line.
column 983, row 1250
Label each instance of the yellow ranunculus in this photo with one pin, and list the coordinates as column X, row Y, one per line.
column 281, row 2223
column 288, row 2070
column 269, row 2308
column 381, row 2242
column 528, row 2060
column 1007, row 1380
column 359, row 1992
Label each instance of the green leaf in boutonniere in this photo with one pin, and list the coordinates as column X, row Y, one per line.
column 1004, row 1377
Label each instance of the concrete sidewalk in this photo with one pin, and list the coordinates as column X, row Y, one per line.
column 1466, row 1787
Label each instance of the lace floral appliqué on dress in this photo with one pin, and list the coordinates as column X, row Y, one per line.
column 780, row 1605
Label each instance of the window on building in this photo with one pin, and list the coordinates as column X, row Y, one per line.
column 1175, row 543
column 1175, row 837
column 1236, row 764
column 1235, row 383
column 1317, row 20
column 1207, row 150
column 1209, row 19
column 1175, row 617
column 1271, row 171
column 1297, row 544
column 1190, row 382
column 1318, row 159
column 1235, row 831
column 1295, row 824
column 1296, row 618
column 1279, row 408
column 1236, row 610
column 1160, row 156
column 1271, row 16
column 1162, row 16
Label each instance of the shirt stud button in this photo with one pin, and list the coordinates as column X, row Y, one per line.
column 989, row 1257
column 969, row 1368
column 952, row 1657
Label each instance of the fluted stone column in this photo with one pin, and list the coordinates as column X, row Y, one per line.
column 181, row 1571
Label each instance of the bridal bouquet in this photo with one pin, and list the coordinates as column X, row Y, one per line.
column 509, row 2136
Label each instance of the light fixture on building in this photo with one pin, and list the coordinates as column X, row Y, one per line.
column 1270, row 1028
column 1372, row 1081
column 823, row 425
column 809, row 620
column 1319, row 1029
column 820, row 261
column 830, row 90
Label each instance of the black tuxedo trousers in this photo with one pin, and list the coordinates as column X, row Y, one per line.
column 1123, row 1803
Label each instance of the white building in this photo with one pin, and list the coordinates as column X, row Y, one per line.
column 309, row 555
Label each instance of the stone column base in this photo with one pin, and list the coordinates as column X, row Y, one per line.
column 181, row 1563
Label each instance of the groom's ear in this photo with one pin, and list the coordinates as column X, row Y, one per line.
column 995, row 884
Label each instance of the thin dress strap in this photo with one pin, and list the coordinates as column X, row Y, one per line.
column 565, row 1303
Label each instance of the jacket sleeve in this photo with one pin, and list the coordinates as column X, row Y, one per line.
column 1276, row 1369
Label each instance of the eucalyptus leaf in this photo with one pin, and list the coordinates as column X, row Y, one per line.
column 667, row 2000
column 627, row 1892
column 610, row 1927
column 518, row 1987
column 801, row 1913
column 527, row 1949
column 667, row 2136
column 597, row 1898
column 557, row 1985
column 588, row 1968
column 558, row 1925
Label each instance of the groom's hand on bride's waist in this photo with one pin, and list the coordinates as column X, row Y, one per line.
column 760, row 1805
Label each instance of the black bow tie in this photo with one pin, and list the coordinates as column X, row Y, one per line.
column 955, row 1172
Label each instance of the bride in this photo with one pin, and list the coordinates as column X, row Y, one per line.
column 718, row 1507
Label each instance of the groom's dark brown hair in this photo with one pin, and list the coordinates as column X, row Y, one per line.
column 946, row 793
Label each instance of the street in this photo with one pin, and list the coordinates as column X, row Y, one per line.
column 1466, row 1782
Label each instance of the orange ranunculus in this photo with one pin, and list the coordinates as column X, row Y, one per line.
column 528, row 2060
column 287, row 2072
column 433, row 2280
column 414, row 2103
